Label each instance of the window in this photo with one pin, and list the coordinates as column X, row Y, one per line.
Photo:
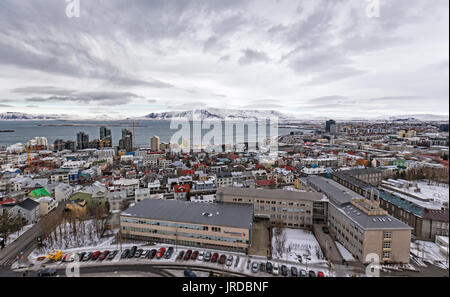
column 387, row 235
column 386, row 255
column 387, row 245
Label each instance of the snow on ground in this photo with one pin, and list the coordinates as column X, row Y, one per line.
column 428, row 252
column 12, row 237
column 86, row 237
column 344, row 252
column 300, row 246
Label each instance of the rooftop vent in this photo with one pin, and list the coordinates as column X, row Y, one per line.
column 207, row 214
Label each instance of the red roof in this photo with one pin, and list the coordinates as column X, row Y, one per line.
column 181, row 188
column 266, row 182
column 187, row 172
column 8, row 201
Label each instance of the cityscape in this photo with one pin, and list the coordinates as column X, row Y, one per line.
column 147, row 153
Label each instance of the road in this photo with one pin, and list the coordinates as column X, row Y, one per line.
column 26, row 243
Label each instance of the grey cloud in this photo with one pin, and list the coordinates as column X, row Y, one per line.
column 110, row 98
column 252, row 56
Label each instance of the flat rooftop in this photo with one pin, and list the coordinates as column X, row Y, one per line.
column 270, row 194
column 332, row 189
column 372, row 222
column 217, row 214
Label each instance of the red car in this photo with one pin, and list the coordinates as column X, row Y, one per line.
column 320, row 274
column 103, row 255
column 222, row 259
column 214, row 257
column 194, row 255
column 188, row 254
column 95, row 255
column 160, row 253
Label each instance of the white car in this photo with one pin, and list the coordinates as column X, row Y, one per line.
column 200, row 256
column 255, row 267
column 230, row 260
column 276, row 269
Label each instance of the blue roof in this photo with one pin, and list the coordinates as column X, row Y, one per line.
column 402, row 203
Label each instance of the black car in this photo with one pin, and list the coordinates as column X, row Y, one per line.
column 325, row 230
column 80, row 256
column 87, row 256
column 168, row 253
column 294, row 271
column 112, row 255
column 138, row 253
column 269, row 267
column 152, row 254
column 132, row 252
column 180, row 255
column 125, row 254
column 47, row 272
column 262, row 267
column 311, row 273
column 284, row 270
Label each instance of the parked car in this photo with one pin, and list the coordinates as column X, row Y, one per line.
column 214, row 257
column 132, row 252
column 303, row 273
column 180, row 255
column 255, row 267
column 237, row 261
column 320, row 274
column 230, row 260
column 95, row 255
column 194, row 255
column 325, row 230
column 207, row 257
column 160, row 253
column 68, row 258
column 269, row 267
column 262, row 267
column 169, row 253
column 125, row 254
column 81, row 255
column 138, row 253
column 103, row 255
column 87, row 257
column 312, row 273
column 222, row 259
column 112, row 255
column 144, row 254
column 47, row 272
column 152, row 254
column 276, row 269
column 284, row 270
column 189, row 273
column 188, row 254
column 294, row 271
column 201, row 255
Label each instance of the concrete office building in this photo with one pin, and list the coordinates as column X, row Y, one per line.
column 362, row 226
column 207, row 225
column 155, row 144
column 293, row 209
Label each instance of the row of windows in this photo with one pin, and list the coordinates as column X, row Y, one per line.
column 182, row 234
column 165, row 224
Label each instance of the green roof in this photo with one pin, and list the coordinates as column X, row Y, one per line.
column 40, row 193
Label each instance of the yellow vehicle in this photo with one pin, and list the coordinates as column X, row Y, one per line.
column 54, row 255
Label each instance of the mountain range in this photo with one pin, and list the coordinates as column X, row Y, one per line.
column 220, row 114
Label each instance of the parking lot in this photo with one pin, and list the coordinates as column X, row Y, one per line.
column 227, row 262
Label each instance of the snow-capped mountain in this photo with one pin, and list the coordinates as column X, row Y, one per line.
column 26, row 116
column 217, row 114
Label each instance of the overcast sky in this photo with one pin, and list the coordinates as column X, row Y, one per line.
column 134, row 57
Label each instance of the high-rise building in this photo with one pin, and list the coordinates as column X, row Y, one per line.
column 105, row 136
column 154, row 144
column 58, row 145
column 328, row 125
column 82, row 140
column 126, row 143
